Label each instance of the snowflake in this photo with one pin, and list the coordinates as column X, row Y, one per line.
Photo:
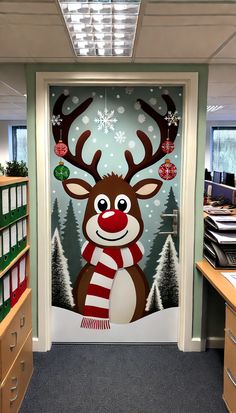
column 56, row 120
column 141, row 118
column 172, row 118
column 129, row 90
column 120, row 137
column 105, row 120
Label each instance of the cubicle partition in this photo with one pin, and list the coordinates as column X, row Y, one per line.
column 216, row 191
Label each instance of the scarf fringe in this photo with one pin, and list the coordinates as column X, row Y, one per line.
column 95, row 324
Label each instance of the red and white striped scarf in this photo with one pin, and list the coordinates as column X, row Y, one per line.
column 106, row 261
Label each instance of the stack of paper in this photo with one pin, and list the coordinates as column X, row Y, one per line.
column 220, row 241
column 221, row 223
column 231, row 276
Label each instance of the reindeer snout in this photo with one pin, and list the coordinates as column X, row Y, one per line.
column 112, row 220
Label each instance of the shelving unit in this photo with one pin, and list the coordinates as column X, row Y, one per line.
column 228, row 292
column 16, row 358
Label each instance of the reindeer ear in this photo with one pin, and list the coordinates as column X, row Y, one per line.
column 77, row 188
column 147, row 188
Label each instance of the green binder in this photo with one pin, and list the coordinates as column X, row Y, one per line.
column 5, row 215
column 6, row 250
column 6, row 294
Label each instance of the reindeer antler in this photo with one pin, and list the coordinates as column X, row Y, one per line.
column 149, row 157
column 61, row 132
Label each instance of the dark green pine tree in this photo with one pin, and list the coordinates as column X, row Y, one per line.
column 159, row 240
column 55, row 219
column 71, row 244
column 61, row 285
column 167, row 275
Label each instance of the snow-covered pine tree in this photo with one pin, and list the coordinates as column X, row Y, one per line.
column 154, row 299
column 61, row 285
column 71, row 244
column 55, row 219
column 167, row 275
column 159, row 239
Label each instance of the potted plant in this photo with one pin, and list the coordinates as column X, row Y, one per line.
column 1, row 169
column 15, row 168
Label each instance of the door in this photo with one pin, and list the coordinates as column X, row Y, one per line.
column 115, row 189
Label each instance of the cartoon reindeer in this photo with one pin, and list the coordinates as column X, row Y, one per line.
column 111, row 287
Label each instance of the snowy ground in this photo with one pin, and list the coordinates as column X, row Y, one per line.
column 158, row 327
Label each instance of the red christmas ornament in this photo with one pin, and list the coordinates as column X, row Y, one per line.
column 60, row 149
column 167, row 170
column 168, row 146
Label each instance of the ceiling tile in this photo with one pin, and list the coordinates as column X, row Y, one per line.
column 35, row 41
column 229, row 50
column 181, row 42
column 33, row 6
column 188, row 8
column 186, row 20
column 31, row 19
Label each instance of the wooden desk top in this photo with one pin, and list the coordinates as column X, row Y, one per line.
column 8, row 180
column 219, row 282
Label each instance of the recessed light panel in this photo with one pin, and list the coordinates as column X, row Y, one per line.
column 214, row 108
column 101, row 28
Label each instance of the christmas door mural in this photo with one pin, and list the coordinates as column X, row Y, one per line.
column 115, row 181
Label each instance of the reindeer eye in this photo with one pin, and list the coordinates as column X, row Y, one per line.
column 122, row 202
column 101, row 203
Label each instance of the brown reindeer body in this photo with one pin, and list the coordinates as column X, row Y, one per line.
column 128, row 295
column 112, row 286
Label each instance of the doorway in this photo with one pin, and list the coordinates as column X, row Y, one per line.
column 189, row 113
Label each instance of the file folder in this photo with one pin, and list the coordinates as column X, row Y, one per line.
column 21, row 199
column 22, row 275
column 20, row 235
column 4, row 206
column 24, row 194
column 24, row 233
column 24, row 228
column 6, row 294
column 13, row 234
column 5, row 242
column 13, row 202
column 14, row 285
column 19, row 196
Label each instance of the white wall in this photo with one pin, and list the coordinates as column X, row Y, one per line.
column 5, row 139
column 210, row 124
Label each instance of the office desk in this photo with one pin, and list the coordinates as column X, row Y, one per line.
column 228, row 292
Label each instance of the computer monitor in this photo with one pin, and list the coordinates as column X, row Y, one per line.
column 228, row 178
column 217, row 177
column 207, row 175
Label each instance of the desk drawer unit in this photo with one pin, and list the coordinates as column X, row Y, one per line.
column 230, row 360
column 16, row 382
column 15, row 333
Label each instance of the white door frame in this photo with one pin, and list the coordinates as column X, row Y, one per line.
column 189, row 80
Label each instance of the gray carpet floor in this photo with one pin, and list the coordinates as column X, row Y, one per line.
column 125, row 379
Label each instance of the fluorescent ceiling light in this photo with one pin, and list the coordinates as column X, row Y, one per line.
column 214, row 108
column 90, row 22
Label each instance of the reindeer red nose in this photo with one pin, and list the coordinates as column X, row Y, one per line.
column 112, row 220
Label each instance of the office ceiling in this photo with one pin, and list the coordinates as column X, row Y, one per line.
column 168, row 32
